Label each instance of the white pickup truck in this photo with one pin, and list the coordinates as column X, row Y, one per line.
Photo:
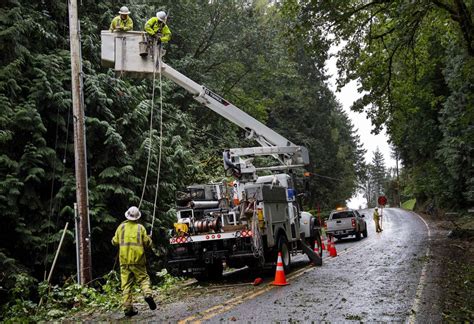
column 345, row 222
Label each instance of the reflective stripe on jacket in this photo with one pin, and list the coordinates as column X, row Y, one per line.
column 132, row 239
column 154, row 26
column 126, row 24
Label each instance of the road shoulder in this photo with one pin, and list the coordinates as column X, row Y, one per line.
column 449, row 284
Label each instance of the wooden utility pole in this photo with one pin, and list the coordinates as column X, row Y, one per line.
column 85, row 271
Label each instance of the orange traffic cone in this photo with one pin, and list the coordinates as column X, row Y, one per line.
column 316, row 248
column 332, row 249
column 280, row 279
column 322, row 244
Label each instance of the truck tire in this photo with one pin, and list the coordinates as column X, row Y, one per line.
column 357, row 235
column 365, row 232
column 285, row 252
column 320, row 245
column 213, row 272
column 316, row 237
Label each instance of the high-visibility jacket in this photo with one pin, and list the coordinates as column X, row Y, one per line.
column 154, row 26
column 117, row 22
column 132, row 239
column 376, row 215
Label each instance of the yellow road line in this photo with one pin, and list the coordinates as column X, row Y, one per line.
column 233, row 302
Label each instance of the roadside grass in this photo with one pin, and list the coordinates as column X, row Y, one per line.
column 409, row 204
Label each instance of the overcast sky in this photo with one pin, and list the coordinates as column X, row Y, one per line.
column 363, row 126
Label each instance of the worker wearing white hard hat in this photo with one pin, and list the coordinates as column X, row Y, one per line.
column 157, row 28
column 132, row 239
column 123, row 22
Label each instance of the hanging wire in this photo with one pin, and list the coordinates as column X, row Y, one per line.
column 161, row 145
column 50, row 214
column 151, row 136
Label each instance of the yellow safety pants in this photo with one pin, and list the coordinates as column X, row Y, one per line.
column 130, row 274
column 377, row 225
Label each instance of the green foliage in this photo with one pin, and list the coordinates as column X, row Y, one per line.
column 414, row 63
column 239, row 49
column 59, row 302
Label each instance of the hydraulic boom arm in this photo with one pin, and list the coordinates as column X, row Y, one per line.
column 121, row 50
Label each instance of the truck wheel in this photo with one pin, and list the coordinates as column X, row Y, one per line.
column 202, row 277
column 365, row 232
column 357, row 236
column 320, row 245
column 213, row 272
column 285, row 252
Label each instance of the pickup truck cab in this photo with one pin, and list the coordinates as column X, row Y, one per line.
column 345, row 222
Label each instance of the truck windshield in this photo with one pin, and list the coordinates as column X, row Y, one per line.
column 342, row 215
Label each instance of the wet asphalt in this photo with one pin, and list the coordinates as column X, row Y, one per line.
column 374, row 279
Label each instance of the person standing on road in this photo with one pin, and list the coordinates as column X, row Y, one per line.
column 378, row 229
column 122, row 22
column 132, row 240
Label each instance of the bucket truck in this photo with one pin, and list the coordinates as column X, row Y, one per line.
column 245, row 222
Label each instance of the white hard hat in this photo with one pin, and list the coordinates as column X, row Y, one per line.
column 124, row 11
column 161, row 16
column 133, row 213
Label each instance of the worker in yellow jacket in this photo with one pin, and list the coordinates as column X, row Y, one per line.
column 157, row 28
column 377, row 216
column 132, row 240
column 123, row 22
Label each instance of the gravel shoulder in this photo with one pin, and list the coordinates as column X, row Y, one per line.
column 448, row 293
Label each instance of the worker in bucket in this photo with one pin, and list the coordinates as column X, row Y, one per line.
column 378, row 229
column 157, row 29
column 123, row 22
column 132, row 240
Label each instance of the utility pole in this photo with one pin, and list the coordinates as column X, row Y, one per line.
column 85, row 271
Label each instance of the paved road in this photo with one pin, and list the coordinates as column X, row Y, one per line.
column 374, row 279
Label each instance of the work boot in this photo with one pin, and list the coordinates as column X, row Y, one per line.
column 151, row 303
column 130, row 312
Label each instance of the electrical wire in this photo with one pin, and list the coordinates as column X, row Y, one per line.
column 161, row 145
column 51, row 206
column 151, row 136
column 326, row 177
